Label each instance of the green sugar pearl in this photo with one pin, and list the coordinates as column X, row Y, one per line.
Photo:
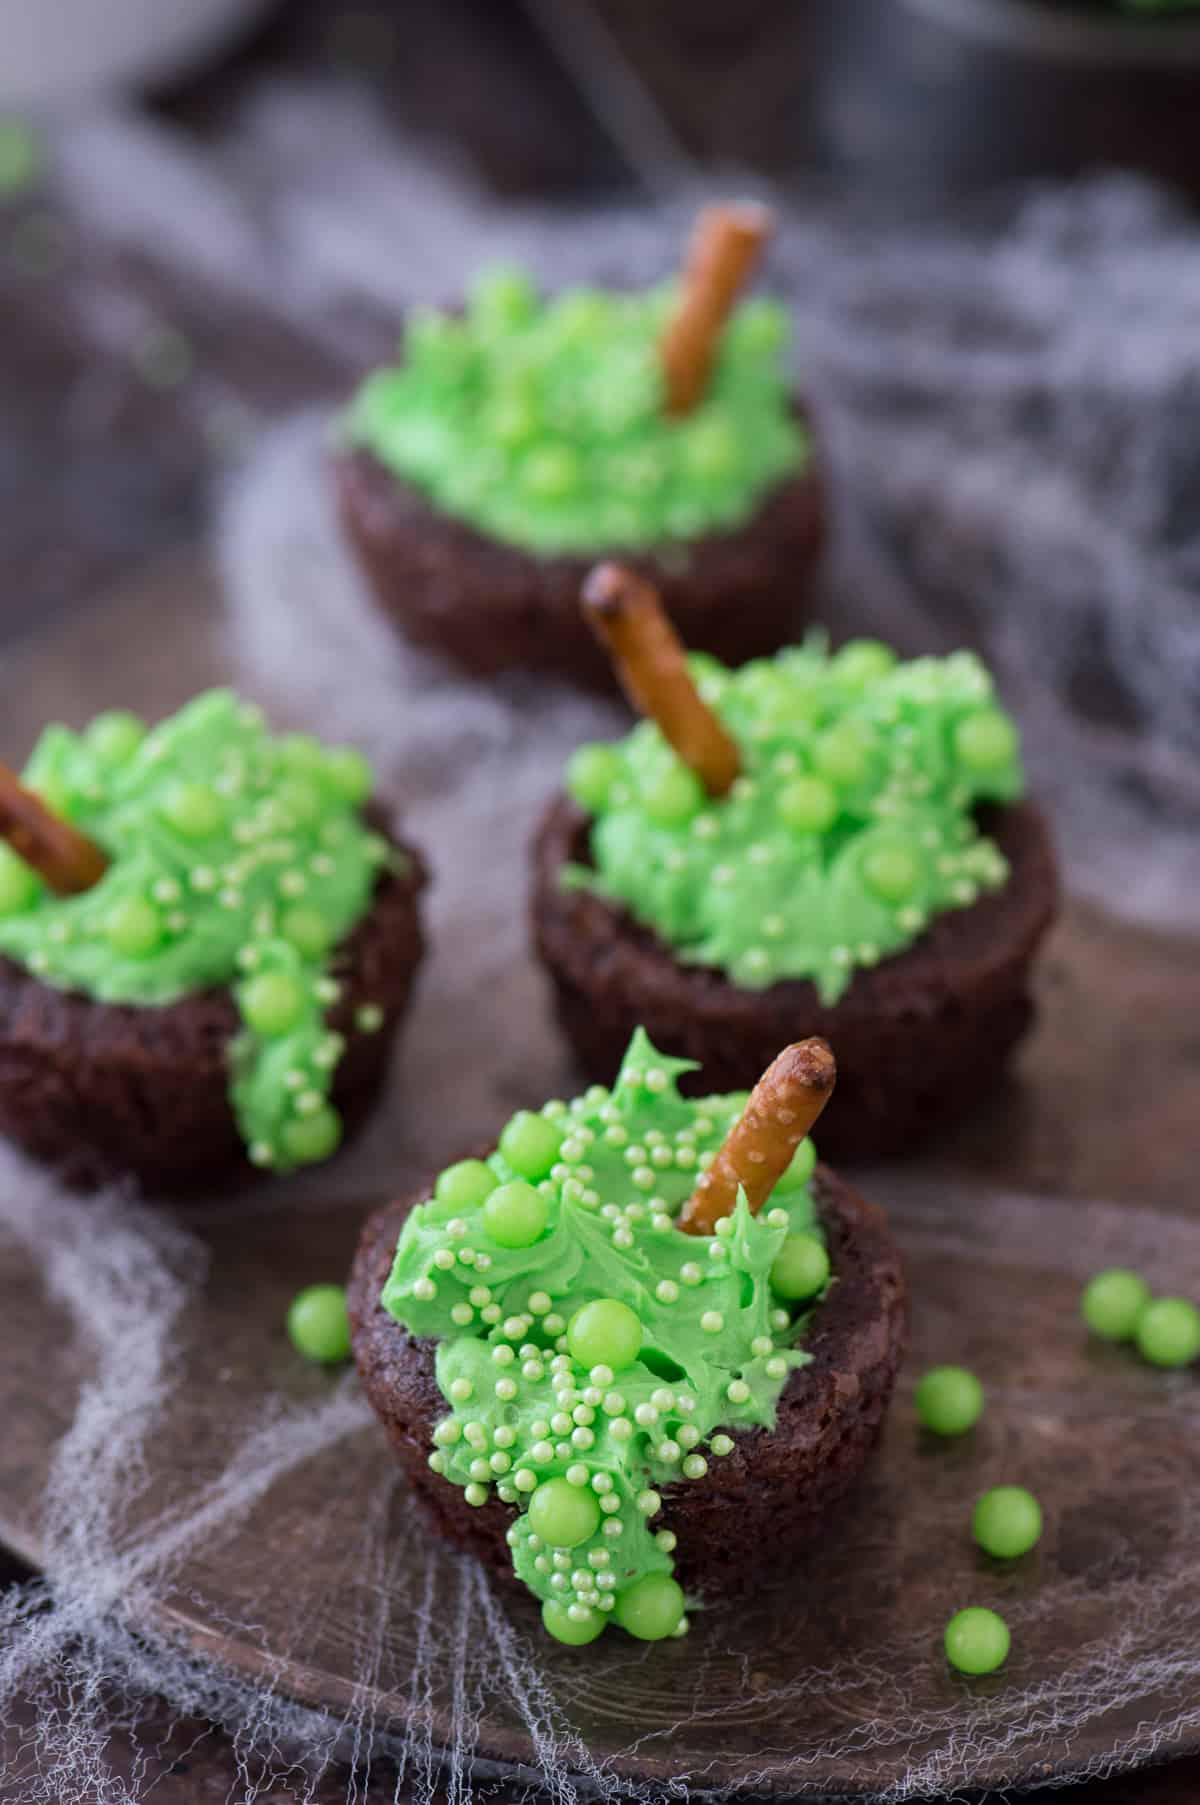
column 19, row 885
column 808, row 804
column 651, row 1608
column 309, row 1139
column 605, row 1333
column 1007, row 1521
column 530, row 1144
column 977, row 1640
column 576, row 1631
column 892, row 870
column 863, row 661
column 515, row 1215
column 194, row 811
column 591, row 773
column 798, row 1172
column 1112, row 1303
column 564, row 1514
column 1168, row 1332
column 464, row 1186
column 985, row 740
column 675, row 796
column 116, row 736
column 318, row 1325
column 949, row 1400
column 801, row 1267
column 134, row 927
column 272, row 1004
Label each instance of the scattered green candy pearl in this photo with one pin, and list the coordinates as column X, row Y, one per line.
column 464, row 1186
column 515, row 1214
column 591, row 773
column 194, row 810
column 350, row 773
column 531, row 1145
column 574, row 1631
column 985, row 740
column 1168, row 1332
column 605, row 1332
column 651, row 1608
column 808, row 804
column 949, row 1400
column 563, row 1514
column 309, row 1139
column 318, row 1324
column 801, row 1267
column 843, row 755
column 273, row 1003
column 1113, row 1302
column 1007, row 1521
column 19, row 885
column 892, row 870
column 116, row 736
column 977, row 1641
column 863, row 661
column 133, row 927
column 675, row 797
column 798, row 1172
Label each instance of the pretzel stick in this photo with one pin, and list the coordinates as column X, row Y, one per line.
column 626, row 614
column 782, row 1108
column 724, row 249
column 67, row 860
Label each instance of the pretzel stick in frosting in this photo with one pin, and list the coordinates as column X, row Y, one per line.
column 724, row 249
column 66, row 859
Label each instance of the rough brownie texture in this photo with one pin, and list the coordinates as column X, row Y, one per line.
column 753, row 1508
column 917, row 1038
column 102, row 1091
column 492, row 607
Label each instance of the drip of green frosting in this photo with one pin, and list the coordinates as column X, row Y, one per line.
column 590, row 1352
column 541, row 421
column 850, row 826
column 235, row 858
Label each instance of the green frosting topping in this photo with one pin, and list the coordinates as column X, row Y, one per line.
column 850, row 825
column 235, row 858
column 541, row 421
column 591, row 1353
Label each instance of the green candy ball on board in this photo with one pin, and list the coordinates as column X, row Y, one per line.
column 1113, row 1302
column 977, row 1641
column 1168, row 1332
column 1007, row 1521
column 318, row 1325
column 800, row 1269
column 949, row 1400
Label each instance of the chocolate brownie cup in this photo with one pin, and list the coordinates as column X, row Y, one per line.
column 227, row 993
column 728, row 1399
column 871, row 877
column 521, row 438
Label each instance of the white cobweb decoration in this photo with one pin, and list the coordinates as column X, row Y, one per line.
column 1010, row 419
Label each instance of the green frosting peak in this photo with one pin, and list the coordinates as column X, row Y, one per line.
column 541, row 421
column 850, row 825
column 236, row 858
column 590, row 1352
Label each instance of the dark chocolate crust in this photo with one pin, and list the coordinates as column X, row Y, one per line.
column 104, row 1091
column 756, row 1507
column 917, row 1037
column 491, row 607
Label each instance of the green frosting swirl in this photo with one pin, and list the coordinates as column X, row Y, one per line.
column 850, row 826
column 236, row 858
column 541, row 421
column 590, row 1351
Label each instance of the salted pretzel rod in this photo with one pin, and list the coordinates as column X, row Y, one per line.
column 724, row 249
column 67, row 860
column 627, row 616
column 782, row 1108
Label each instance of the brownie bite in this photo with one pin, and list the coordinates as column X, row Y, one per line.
column 519, row 438
column 721, row 1392
column 226, row 993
